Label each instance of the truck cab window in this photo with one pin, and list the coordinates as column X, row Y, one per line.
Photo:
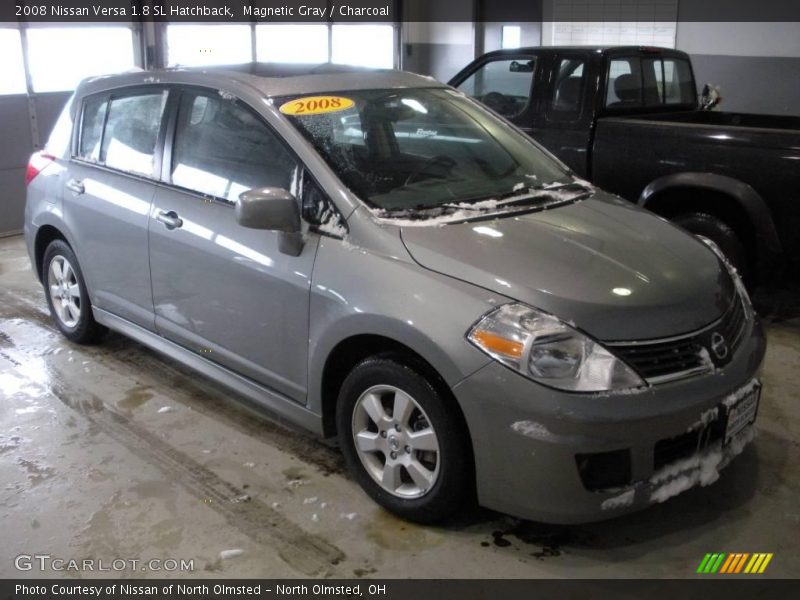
column 566, row 101
column 624, row 87
column 503, row 85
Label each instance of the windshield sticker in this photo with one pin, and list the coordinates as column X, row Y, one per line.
column 316, row 105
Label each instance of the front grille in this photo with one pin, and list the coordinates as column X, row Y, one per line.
column 683, row 446
column 658, row 361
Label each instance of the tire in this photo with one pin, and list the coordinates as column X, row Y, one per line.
column 722, row 234
column 67, row 297
column 438, row 482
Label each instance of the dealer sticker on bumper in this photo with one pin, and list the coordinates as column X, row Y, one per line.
column 742, row 414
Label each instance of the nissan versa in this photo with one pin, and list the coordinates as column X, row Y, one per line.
column 376, row 256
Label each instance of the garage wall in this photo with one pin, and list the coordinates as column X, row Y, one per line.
column 432, row 42
column 756, row 65
column 435, row 45
column 439, row 49
column 14, row 152
column 496, row 13
column 17, row 146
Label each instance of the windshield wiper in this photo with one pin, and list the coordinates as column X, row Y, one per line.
column 553, row 193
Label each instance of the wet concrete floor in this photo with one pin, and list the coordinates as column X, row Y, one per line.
column 114, row 452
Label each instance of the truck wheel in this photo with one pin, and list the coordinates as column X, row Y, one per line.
column 721, row 234
column 67, row 296
column 402, row 445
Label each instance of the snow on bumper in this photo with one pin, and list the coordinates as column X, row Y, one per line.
column 702, row 469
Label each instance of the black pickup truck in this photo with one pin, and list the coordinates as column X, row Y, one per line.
column 628, row 119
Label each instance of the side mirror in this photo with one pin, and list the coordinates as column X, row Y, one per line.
column 268, row 208
column 274, row 209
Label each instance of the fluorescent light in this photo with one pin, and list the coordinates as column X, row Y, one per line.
column 60, row 57
column 363, row 45
column 511, row 36
column 292, row 43
column 208, row 45
column 12, row 72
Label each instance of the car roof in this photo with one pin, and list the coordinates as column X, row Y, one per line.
column 598, row 49
column 271, row 79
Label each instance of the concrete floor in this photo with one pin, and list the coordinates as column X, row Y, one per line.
column 113, row 452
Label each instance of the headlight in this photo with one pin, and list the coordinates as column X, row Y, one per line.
column 737, row 279
column 549, row 351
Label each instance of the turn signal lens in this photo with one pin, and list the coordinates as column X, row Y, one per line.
column 498, row 344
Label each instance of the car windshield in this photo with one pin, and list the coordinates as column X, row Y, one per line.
column 423, row 148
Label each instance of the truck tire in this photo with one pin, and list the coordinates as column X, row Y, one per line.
column 722, row 234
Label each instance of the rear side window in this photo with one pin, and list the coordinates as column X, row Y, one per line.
column 131, row 132
column 678, row 82
column 502, row 85
column 649, row 82
column 222, row 149
column 94, row 114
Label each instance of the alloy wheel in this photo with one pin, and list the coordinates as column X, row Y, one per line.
column 396, row 441
column 64, row 291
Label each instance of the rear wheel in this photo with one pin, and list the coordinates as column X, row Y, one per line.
column 404, row 448
column 67, row 296
column 722, row 234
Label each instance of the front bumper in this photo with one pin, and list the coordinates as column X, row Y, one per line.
column 528, row 440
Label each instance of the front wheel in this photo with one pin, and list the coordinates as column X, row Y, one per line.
column 405, row 449
column 67, row 295
column 722, row 234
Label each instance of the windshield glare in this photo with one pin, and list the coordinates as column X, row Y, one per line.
column 424, row 148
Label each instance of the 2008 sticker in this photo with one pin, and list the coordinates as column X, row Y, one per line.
column 316, row 105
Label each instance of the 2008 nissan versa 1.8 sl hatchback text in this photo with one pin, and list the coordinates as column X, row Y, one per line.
column 376, row 256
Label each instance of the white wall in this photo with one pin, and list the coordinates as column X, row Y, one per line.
column 740, row 39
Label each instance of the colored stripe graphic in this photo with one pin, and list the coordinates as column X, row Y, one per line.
column 703, row 563
column 734, row 563
column 765, row 563
column 727, row 565
column 712, row 561
column 740, row 564
column 749, row 568
column 722, row 563
column 739, row 559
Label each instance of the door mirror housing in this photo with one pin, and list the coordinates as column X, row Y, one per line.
column 274, row 209
column 268, row 208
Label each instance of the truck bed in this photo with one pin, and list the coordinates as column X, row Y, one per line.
column 725, row 119
column 629, row 153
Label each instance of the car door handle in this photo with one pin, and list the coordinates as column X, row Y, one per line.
column 75, row 186
column 169, row 218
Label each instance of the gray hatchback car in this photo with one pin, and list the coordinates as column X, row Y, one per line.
column 377, row 257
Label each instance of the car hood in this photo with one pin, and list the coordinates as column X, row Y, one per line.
column 612, row 269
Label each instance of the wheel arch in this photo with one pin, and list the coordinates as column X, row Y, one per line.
column 45, row 235
column 348, row 350
column 730, row 200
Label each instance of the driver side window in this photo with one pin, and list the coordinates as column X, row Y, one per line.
column 503, row 85
column 222, row 148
